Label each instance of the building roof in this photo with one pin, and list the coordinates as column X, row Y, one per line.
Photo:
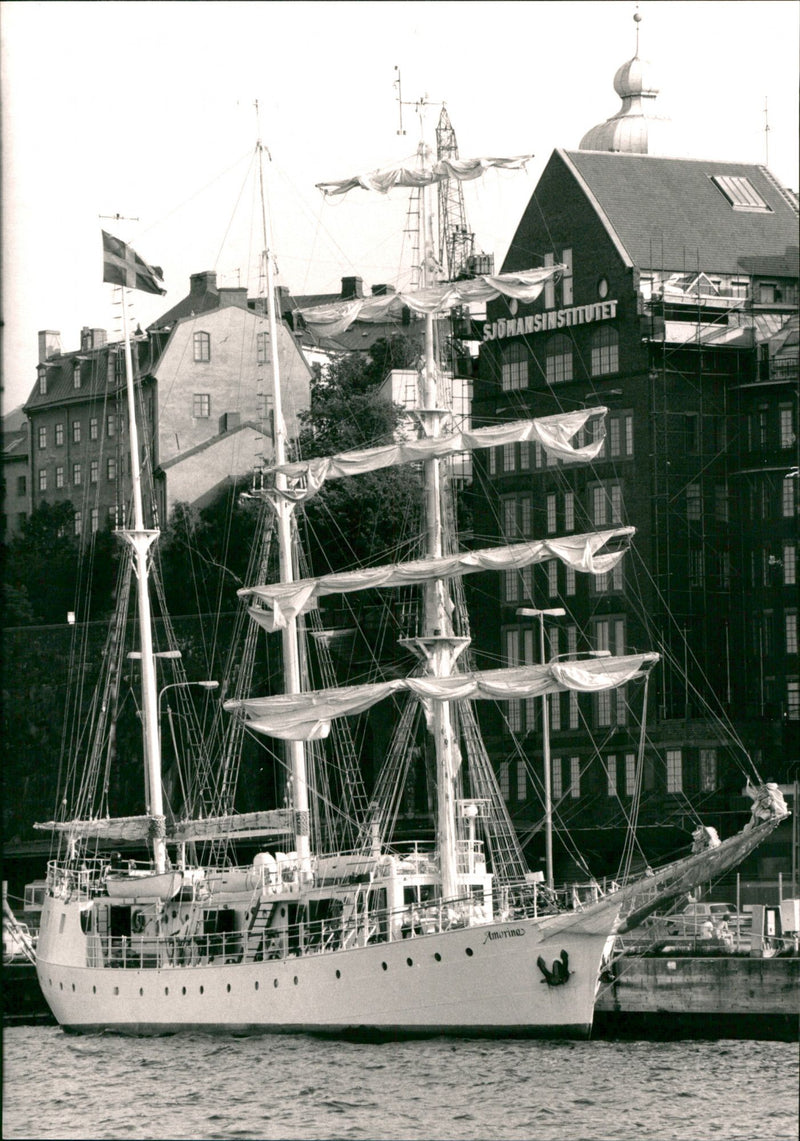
column 61, row 388
column 15, row 444
column 668, row 213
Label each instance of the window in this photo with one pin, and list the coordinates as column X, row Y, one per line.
column 696, row 567
column 788, row 497
column 505, row 788
column 789, row 564
column 793, row 700
column 95, row 519
column 630, row 774
column 566, row 280
column 42, row 380
column 59, row 435
column 201, row 405
column 611, row 774
column 574, row 777
column 786, row 428
column 111, row 425
column 262, row 348
column 555, row 712
column 202, row 347
column 569, row 580
column 741, row 193
column 524, row 457
column 93, row 428
column 767, row 292
column 511, row 586
column 605, row 351
column 552, row 579
column 76, row 475
column 514, row 368
column 606, row 499
column 111, row 469
column 790, row 619
column 43, row 479
column 22, row 485
column 763, row 425
column 522, row 784
column 517, row 517
column 604, row 708
column 59, row 476
column 42, row 438
column 569, row 510
column 619, row 442
column 708, row 770
column 76, row 431
column 694, row 503
column 556, row 785
column 721, row 506
column 551, row 513
column 574, row 710
column 492, row 461
column 674, row 770
column 94, row 471
column 508, row 457
column 691, row 432
column 77, row 523
column 76, row 374
column 558, row 359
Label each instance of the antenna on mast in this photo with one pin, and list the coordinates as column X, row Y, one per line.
column 117, row 218
column 401, row 129
column 766, row 132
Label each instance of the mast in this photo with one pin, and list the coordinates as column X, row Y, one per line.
column 439, row 644
column 141, row 540
column 283, row 509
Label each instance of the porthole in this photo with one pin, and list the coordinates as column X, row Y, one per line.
column 338, row 974
column 437, row 956
column 469, row 952
column 384, row 966
column 410, row 962
column 602, row 287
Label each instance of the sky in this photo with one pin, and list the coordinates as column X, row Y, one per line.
column 146, row 111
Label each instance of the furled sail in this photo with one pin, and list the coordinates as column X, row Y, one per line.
column 133, row 829
column 522, row 285
column 554, row 433
column 581, row 552
column 307, row 716
column 385, row 178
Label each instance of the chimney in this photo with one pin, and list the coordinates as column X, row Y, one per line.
column 49, row 345
column 98, row 338
column 205, row 282
column 233, row 295
column 92, row 338
column 382, row 290
column 283, row 300
column 352, row 287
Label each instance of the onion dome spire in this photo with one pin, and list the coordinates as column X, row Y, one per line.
column 636, row 128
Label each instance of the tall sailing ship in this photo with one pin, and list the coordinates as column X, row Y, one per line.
column 378, row 937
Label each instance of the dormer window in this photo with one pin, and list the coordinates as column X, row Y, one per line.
column 76, row 374
column 202, row 347
column 741, row 193
column 42, row 380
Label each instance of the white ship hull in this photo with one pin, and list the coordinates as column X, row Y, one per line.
column 482, row 980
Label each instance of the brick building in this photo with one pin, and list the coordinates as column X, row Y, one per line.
column 677, row 311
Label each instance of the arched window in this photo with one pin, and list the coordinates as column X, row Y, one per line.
column 515, row 367
column 202, row 347
column 605, row 351
column 558, row 359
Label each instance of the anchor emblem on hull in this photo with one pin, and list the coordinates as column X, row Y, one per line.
column 556, row 975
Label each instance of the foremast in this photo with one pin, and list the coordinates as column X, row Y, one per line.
column 141, row 539
column 284, row 508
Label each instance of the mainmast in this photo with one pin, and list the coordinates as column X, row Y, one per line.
column 283, row 510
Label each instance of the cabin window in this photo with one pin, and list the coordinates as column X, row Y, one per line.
column 514, row 368
column 605, row 351
column 558, row 359
column 202, row 347
column 201, row 405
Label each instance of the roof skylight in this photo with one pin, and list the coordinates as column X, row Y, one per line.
column 741, row 193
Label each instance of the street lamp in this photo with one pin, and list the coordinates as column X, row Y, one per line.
column 555, row 612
